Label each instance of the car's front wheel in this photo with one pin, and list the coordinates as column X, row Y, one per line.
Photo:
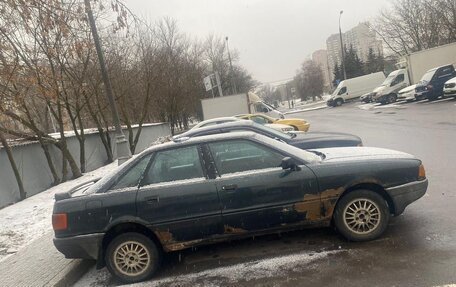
column 361, row 215
column 132, row 257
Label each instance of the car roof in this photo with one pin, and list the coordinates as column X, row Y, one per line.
column 219, row 119
column 239, row 123
column 182, row 141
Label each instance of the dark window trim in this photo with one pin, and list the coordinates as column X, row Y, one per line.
column 200, row 155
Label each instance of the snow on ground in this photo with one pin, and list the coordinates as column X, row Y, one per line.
column 305, row 110
column 227, row 275
column 29, row 219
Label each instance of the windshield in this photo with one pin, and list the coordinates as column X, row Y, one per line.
column 428, row 76
column 388, row 80
column 274, row 133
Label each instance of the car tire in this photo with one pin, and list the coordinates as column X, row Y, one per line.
column 132, row 257
column 392, row 98
column 361, row 215
column 339, row 102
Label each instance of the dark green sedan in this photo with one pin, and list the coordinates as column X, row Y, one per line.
column 220, row 187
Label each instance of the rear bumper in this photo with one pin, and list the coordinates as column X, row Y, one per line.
column 80, row 246
column 405, row 194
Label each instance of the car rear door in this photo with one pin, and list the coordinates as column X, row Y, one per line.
column 256, row 194
column 176, row 199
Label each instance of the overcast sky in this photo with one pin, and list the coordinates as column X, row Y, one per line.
column 273, row 36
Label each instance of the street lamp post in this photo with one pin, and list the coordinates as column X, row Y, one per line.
column 123, row 151
column 233, row 84
column 342, row 47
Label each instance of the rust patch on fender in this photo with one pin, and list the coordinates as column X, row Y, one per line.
column 164, row 236
column 329, row 199
column 233, row 230
column 331, row 193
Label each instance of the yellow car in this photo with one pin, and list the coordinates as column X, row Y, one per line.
column 297, row 124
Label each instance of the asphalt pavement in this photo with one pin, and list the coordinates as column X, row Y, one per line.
column 418, row 248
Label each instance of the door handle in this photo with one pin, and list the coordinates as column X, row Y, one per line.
column 230, row 187
column 152, row 199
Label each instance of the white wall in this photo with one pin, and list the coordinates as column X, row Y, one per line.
column 35, row 171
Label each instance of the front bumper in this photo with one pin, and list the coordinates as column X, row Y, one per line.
column 80, row 246
column 449, row 92
column 303, row 127
column 405, row 194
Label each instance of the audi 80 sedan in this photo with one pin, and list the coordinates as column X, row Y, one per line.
column 215, row 188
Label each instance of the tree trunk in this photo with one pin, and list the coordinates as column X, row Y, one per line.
column 22, row 193
column 51, row 165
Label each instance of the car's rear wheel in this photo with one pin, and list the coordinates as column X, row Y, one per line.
column 361, row 215
column 132, row 257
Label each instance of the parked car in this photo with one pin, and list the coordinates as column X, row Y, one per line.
column 366, row 98
column 297, row 124
column 276, row 126
column 431, row 84
column 298, row 139
column 221, row 187
column 386, row 93
column 407, row 93
column 449, row 89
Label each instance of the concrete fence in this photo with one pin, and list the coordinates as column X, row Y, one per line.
column 35, row 171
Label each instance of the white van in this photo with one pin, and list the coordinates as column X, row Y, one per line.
column 387, row 92
column 354, row 88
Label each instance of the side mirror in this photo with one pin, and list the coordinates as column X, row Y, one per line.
column 289, row 163
column 265, row 110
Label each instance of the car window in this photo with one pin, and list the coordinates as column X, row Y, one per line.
column 342, row 91
column 172, row 165
column 398, row 79
column 242, row 155
column 445, row 72
column 259, row 120
column 132, row 177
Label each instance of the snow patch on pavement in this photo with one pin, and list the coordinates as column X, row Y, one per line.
column 30, row 219
column 375, row 106
column 247, row 271
column 306, row 110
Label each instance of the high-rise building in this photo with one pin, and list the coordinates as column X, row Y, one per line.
column 320, row 57
column 361, row 38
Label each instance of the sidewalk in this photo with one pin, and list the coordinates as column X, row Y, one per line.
column 40, row 264
column 27, row 254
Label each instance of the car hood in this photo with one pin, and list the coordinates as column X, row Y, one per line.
column 379, row 89
column 450, row 81
column 361, row 153
column 407, row 89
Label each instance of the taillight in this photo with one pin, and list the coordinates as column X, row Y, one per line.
column 429, row 87
column 59, row 221
column 421, row 172
column 360, row 144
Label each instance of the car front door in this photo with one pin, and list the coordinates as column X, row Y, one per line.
column 176, row 199
column 256, row 193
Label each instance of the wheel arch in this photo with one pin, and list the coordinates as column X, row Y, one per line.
column 121, row 228
column 375, row 187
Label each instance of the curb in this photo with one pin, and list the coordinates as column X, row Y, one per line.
column 69, row 275
column 306, row 110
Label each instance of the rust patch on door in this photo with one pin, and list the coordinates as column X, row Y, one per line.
column 233, row 230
